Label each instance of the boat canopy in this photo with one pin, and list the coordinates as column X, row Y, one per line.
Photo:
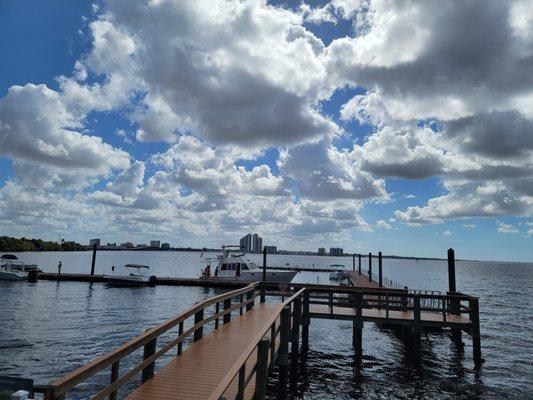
column 9, row 257
column 337, row 266
column 138, row 266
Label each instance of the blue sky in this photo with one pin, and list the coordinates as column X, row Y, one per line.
column 163, row 160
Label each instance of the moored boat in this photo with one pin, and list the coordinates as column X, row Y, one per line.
column 13, row 269
column 131, row 275
column 233, row 267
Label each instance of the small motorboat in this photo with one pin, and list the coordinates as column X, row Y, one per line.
column 131, row 275
column 337, row 275
column 235, row 268
column 13, row 269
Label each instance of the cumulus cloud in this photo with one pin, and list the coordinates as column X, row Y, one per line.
column 383, row 224
column 506, row 228
column 447, row 233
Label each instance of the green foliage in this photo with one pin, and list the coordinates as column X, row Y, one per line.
column 23, row 244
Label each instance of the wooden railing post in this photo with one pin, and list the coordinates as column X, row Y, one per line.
column 417, row 327
column 242, row 383
column 353, row 262
column 180, row 332
column 285, row 326
column 250, row 296
column 262, row 369
column 149, row 350
column 227, row 317
column 380, row 269
column 369, row 267
column 358, row 327
column 296, row 321
column 331, row 302
column 305, row 321
column 217, row 310
column 114, row 376
column 198, row 317
column 476, row 334
column 263, row 294
column 359, row 258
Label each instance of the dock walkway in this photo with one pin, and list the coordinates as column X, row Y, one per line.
column 250, row 336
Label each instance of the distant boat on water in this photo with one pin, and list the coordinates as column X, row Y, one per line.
column 13, row 269
column 132, row 275
column 231, row 267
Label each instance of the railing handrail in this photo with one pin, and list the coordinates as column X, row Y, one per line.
column 65, row 383
column 387, row 291
column 234, row 370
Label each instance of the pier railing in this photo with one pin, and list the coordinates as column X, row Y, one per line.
column 388, row 300
column 224, row 304
column 277, row 328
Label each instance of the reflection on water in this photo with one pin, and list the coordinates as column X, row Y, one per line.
column 49, row 328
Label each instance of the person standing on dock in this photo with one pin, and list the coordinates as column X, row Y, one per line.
column 59, row 268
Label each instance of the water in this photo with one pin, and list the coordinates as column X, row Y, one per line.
column 49, row 328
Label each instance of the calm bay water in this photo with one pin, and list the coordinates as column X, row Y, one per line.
column 49, row 328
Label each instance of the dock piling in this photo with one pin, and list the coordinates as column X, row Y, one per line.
column 353, row 262
column 149, row 350
column 180, row 332
column 417, row 326
column 198, row 317
column 454, row 304
column 476, row 334
column 380, row 269
column 359, row 257
column 93, row 263
column 305, row 322
column 114, row 376
column 369, row 267
column 296, row 321
column 357, row 339
column 283, row 352
column 227, row 317
column 262, row 369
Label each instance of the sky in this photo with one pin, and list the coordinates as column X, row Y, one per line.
column 397, row 126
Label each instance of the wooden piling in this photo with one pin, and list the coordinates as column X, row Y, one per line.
column 476, row 334
column 180, row 332
column 149, row 350
column 283, row 352
column 456, row 333
column 357, row 339
column 305, row 321
column 380, row 269
column 296, row 322
column 262, row 369
column 250, row 296
column 359, row 257
column 227, row 317
column 198, row 317
column 417, row 325
column 114, row 376
column 369, row 267
column 93, row 263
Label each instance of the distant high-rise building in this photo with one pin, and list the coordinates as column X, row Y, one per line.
column 165, row 246
column 155, row 243
column 251, row 243
column 321, row 251
column 93, row 242
column 127, row 245
column 271, row 249
column 336, row 251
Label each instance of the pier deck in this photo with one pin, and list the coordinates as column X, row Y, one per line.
column 249, row 336
column 197, row 372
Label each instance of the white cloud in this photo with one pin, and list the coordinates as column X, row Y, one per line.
column 447, row 233
column 506, row 228
column 383, row 224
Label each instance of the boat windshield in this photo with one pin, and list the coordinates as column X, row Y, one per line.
column 9, row 257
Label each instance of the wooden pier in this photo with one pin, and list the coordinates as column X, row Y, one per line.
column 250, row 335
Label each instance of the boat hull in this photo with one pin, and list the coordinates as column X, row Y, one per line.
column 126, row 281
column 257, row 276
column 11, row 276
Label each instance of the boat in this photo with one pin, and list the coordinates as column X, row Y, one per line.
column 13, row 269
column 337, row 275
column 234, row 267
column 131, row 275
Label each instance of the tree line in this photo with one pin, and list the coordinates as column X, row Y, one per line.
column 23, row 244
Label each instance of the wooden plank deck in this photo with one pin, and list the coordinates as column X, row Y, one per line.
column 379, row 315
column 361, row 280
column 201, row 367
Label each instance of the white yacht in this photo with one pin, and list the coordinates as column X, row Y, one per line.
column 131, row 275
column 13, row 269
column 233, row 267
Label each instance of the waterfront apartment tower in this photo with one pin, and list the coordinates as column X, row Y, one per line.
column 336, row 251
column 321, row 251
column 251, row 243
column 93, row 242
column 155, row 244
column 272, row 249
